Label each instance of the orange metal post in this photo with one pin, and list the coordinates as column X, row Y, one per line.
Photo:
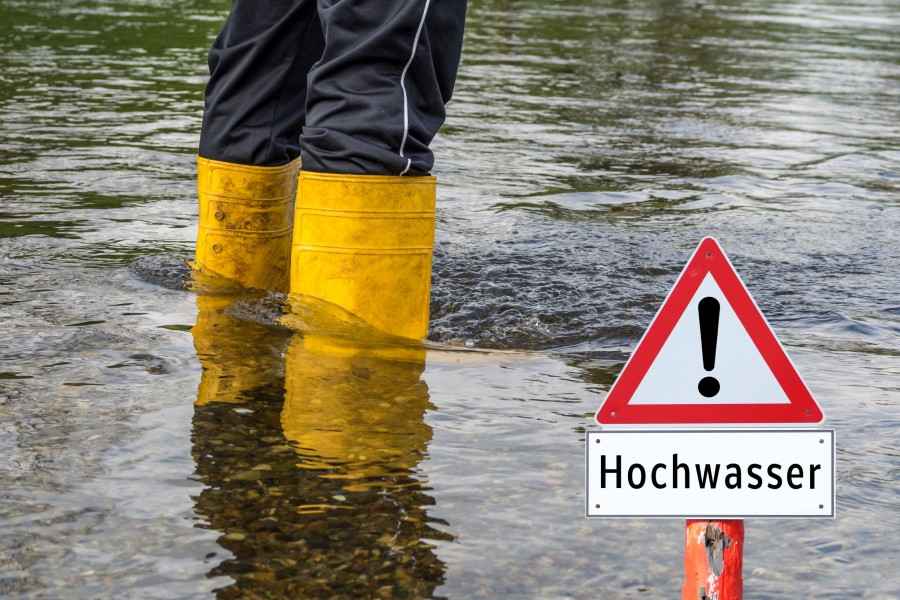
column 713, row 560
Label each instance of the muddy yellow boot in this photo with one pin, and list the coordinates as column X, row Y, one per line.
column 364, row 243
column 245, row 222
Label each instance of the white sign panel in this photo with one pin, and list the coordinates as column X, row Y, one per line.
column 710, row 473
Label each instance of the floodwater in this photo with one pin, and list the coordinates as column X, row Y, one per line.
column 590, row 145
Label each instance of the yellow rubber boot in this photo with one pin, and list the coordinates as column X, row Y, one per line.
column 245, row 222
column 364, row 243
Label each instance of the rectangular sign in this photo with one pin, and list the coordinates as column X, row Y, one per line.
column 710, row 473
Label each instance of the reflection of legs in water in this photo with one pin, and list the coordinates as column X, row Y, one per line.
column 356, row 418
column 315, row 489
column 356, row 413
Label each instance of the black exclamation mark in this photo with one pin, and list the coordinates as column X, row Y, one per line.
column 708, row 310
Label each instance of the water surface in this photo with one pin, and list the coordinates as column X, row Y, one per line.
column 160, row 444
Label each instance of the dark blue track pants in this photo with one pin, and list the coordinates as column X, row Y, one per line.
column 355, row 86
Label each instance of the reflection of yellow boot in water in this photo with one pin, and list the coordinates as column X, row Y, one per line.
column 245, row 222
column 356, row 413
column 364, row 243
column 237, row 356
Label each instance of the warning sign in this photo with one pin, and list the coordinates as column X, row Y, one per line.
column 711, row 473
column 709, row 356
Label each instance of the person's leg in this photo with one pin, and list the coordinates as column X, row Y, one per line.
column 256, row 96
column 249, row 144
column 364, row 224
column 376, row 98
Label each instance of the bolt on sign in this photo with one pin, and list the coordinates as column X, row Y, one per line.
column 709, row 359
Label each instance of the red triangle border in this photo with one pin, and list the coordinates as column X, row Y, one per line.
column 709, row 258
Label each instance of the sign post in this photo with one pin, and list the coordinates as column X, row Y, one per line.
column 713, row 560
column 677, row 438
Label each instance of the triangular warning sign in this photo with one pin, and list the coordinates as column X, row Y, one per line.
column 709, row 356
